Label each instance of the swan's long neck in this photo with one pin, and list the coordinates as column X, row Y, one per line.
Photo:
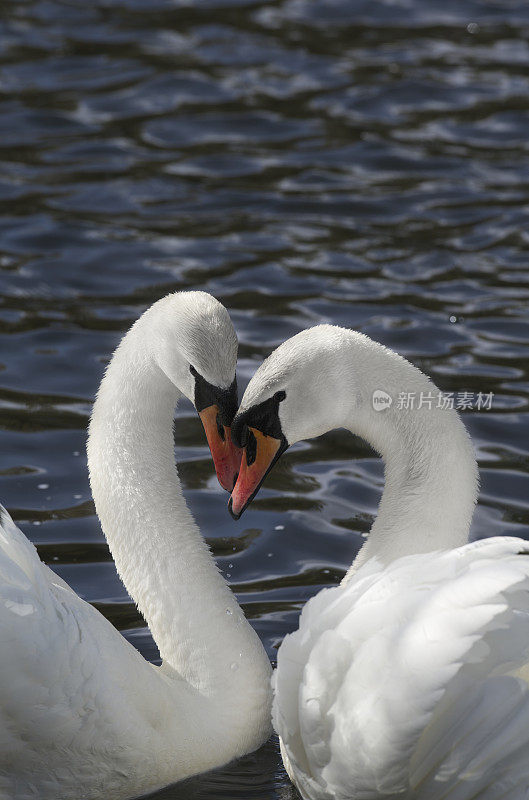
column 431, row 476
column 160, row 555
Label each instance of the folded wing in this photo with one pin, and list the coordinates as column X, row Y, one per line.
column 412, row 681
column 70, row 686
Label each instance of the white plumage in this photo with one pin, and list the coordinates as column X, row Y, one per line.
column 73, row 716
column 410, row 679
column 82, row 714
column 407, row 680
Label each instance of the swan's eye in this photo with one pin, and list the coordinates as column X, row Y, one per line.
column 251, row 448
column 220, row 427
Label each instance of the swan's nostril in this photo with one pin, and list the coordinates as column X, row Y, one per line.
column 251, row 448
column 235, row 478
column 220, row 428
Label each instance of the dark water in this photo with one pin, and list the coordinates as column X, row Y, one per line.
column 362, row 163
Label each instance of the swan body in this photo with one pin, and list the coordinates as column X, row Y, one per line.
column 411, row 678
column 407, row 681
column 82, row 714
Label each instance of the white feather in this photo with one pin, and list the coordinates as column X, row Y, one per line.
column 410, row 679
column 405, row 679
column 82, row 714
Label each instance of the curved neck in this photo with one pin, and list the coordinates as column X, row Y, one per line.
column 159, row 553
column 431, row 475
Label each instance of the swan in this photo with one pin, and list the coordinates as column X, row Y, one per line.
column 410, row 678
column 82, row 714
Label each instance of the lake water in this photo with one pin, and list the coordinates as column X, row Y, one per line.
column 306, row 161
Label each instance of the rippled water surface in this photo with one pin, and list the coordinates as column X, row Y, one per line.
column 362, row 163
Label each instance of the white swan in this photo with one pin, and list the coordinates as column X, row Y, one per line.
column 410, row 679
column 82, row 714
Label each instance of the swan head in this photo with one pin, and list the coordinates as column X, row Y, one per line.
column 195, row 345
column 292, row 396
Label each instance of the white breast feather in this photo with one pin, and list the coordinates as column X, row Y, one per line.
column 409, row 680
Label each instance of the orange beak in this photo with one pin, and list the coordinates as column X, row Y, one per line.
column 226, row 456
column 265, row 450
